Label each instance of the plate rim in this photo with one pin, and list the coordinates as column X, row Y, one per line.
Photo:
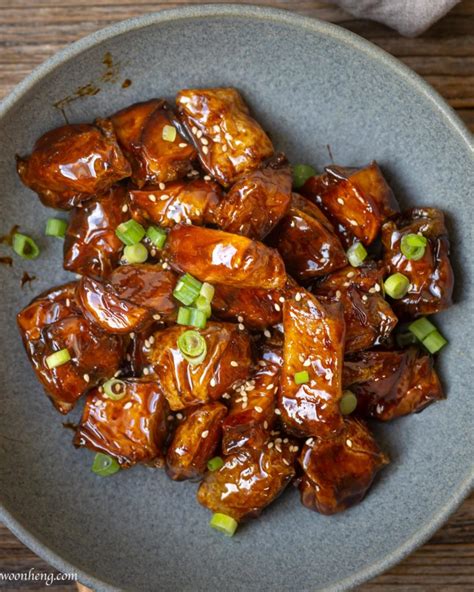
column 318, row 26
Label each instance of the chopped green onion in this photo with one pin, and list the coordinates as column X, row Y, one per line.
column 169, row 133
column 301, row 377
column 191, row 343
column 348, row 402
column 198, row 318
column 187, row 289
column 56, row 227
column 195, row 360
column 413, row 246
column 356, row 254
column 104, row 465
column 301, row 173
column 58, row 358
column 184, row 315
column 135, row 253
column 114, row 389
column 434, row 342
column 224, row 523
column 203, row 304
column 25, row 246
column 421, row 328
column 130, row 232
column 214, row 464
column 396, row 285
column 157, row 236
column 207, row 291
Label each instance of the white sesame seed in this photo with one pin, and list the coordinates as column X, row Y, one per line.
column 224, row 148
column 146, row 371
column 165, row 265
column 285, row 440
column 265, row 425
column 267, row 333
column 204, row 141
column 213, row 382
column 132, row 335
column 277, row 412
column 270, row 445
column 278, row 447
column 301, row 358
column 240, row 319
column 124, row 208
column 338, row 294
column 118, row 373
column 157, row 317
column 278, row 440
column 194, row 130
column 153, row 252
column 277, row 307
column 286, row 462
column 298, row 297
column 351, row 274
column 258, row 409
column 340, row 201
column 372, row 290
column 349, row 443
column 241, row 327
column 216, row 129
column 127, row 405
column 226, row 396
column 162, row 186
column 170, row 417
column 179, row 416
column 234, row 363
column 152, row 197
column 377, row 287
column 147, row 343
column 365, row 298
column 244, row 405
column 262, row 363
column 270, row 386
column 205, row 149
column 164, row 197
column 205, row 434
column 199, row 134
column 182, row 145
column 309, row 441
column 151, row 340
column 68, row 302
column 207, row 178
column 86, row 377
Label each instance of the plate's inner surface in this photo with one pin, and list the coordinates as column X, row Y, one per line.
column 139, row 530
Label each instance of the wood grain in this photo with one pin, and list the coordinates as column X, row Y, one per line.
column 32, row 30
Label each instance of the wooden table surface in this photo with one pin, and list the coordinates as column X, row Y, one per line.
column 32, row 30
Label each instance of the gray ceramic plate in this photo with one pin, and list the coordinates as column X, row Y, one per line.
column 310, row 84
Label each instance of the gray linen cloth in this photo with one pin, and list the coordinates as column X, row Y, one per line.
column 408, row 17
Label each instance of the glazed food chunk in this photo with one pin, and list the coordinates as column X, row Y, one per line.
column 369, row 317
column 389, row 384
column 229, row 141
column 255, row 307
column 252, row 412
column 185, row 384
column 153, row 141
column 311, row 385
column 249, row 481
column 91, row 246
column 131, row 428
column 306, row 241
column 195, row 440
column 192, row 202
column 338, row 472
column 431, row 277
column 256, row 202
column 225, row 258
column 53, row 322
column 72, row 163
column 356, row 201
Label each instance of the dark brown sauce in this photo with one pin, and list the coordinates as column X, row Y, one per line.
column 69, row 425
column 112, row 69
column 27, row 278
column 6, row 261
column 7, row 239
column 126, row 83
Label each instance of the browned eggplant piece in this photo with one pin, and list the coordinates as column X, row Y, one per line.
column 195, row 441
column 249, row 480
column 221, row 257
column 255, row 307
column 53, row 322
column 389, row 384
column 229, row 141
column 307, row 242
column 152, row 140
column 339, row 471
column 101, row 306
column 72, row 163
column 147, row 285
column 256, row 202
column 184, row 384
column 431, row 277
column 132, row 429
column 192, row 202
column 356, row 201
column 313, row 342
column 369, row 318
column 252, row 411
column 91, row 246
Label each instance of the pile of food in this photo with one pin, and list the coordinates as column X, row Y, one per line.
column 235, row 318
